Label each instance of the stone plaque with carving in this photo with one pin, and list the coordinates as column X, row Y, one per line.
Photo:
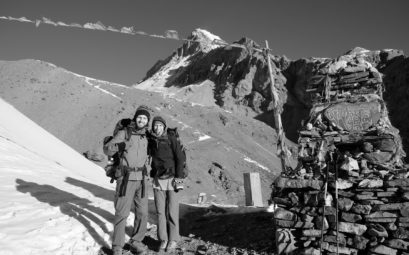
column 354, row 117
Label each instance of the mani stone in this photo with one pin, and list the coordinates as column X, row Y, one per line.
column 345, row 204
column 283, row 183
column 345, row 193
column 368, row 183
column 403, row 219
column 398, row 244
column 352, row 228
column 382, row 249
column 351, row 217
column 361, row 209
column 283, row 214
column 365, row 196
column 354, row 117
column 398, row 183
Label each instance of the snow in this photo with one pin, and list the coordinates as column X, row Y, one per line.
column 54, row 201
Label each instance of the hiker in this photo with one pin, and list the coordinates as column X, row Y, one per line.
column 167, row 168
column 131, row 191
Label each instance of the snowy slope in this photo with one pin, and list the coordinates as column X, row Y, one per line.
column 54, row 201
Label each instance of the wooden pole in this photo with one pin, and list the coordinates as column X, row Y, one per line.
column 282, row 151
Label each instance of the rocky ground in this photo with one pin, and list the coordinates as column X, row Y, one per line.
column 215, row 230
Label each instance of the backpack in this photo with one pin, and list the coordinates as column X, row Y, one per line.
column 174, row 132
column 118, row 159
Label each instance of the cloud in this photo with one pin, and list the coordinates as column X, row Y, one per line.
column 127, row 30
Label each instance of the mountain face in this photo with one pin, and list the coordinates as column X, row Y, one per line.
column 235, row 77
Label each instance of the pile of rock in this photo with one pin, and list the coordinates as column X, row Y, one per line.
column 350, row 171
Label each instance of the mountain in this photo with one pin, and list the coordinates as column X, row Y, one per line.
column 235, row 77
column 81, row 111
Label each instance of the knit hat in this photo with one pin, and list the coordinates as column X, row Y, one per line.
column 158, row 118
column 142, row 110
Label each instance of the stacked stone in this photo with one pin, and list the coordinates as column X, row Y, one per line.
column 348, row 148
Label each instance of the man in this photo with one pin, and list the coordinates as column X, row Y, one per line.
column 131, row 190
column 167, row 166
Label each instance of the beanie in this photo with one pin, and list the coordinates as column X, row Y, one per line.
column 158, row 118
column 142, row 110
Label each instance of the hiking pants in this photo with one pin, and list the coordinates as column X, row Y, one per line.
column 167, row 209
column 132, row 199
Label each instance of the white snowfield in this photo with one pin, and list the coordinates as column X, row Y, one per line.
column 53, row 200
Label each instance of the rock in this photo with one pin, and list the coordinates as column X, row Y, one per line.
column 333, row 239
column 343, row 184
column 377, row 230
column 398, row 244
column 318, row 223
column 367, row 183
column 343, row 193
column 361, row 209
column 283, row 183
column 390, row 207
column 386, row 194
column 354, row 117
column 391, row 226
column 341, row 250
column 398, row 183
column 309, row 251
column 401, row 233
column 349, row 164
column 360, row 242
column 282, row 214
column 381, row 214
column 378, row 157
column 382, row 249
column 285, row 241
column 91, row 155
column 352, row 228
column 350, row 217
column 311, row 232
column 405, row 196
column 345, row 204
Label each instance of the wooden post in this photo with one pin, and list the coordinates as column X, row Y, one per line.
column 252, row 189
column 281, row 149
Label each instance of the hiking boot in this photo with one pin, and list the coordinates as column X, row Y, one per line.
column 137, row 247
column 172, row 245
column 163, row 245
column 116, row 250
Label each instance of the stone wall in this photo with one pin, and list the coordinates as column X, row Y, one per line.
column 350, row 191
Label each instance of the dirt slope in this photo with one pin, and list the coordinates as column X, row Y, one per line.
column 81, row 111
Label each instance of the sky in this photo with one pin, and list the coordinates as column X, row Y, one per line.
column 297, row 29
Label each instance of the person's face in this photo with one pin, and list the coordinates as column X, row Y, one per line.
column 141, row 121
column 158, row 128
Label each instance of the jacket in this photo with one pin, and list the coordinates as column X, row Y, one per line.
column 167, row 156
column 135, row 151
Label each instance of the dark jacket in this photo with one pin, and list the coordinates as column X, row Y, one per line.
column 167, row 156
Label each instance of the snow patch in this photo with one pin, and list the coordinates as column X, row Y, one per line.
column 256, row 163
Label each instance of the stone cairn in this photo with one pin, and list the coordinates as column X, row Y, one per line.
column 349, row 171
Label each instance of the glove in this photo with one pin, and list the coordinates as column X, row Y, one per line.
column 121, row 146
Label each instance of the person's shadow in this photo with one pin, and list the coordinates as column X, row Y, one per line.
column 69, row 204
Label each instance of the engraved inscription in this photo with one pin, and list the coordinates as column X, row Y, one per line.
column 354, row 117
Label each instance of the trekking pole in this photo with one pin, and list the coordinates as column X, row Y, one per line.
column 323, row 208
